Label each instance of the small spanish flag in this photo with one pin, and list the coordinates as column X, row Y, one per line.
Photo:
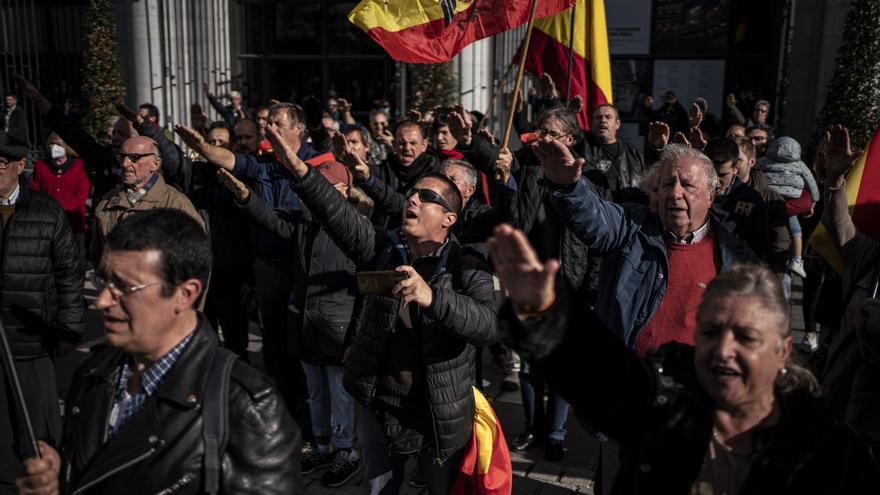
column 591, row 62
column 485, row 468
column 863, row 198
column 434, row 31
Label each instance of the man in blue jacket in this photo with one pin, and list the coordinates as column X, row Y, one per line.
column 647, row 255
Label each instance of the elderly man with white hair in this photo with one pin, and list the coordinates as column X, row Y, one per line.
column 656, row 261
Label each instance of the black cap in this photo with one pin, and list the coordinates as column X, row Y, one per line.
column 11, row 147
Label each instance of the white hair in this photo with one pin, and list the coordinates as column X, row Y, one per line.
column 470, row 173
column 677, row 152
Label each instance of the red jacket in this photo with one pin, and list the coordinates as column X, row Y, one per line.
column 69, row 185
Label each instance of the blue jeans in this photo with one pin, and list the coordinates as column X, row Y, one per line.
column 550, row 421
column 794, row 226
column 383, row 470
column 332, row 408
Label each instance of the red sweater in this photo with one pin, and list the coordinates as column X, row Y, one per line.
column 69, row 186
column 691, row 267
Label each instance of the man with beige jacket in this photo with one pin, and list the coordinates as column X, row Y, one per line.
column 142, row 188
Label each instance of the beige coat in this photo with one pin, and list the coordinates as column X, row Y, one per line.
column 114, row 207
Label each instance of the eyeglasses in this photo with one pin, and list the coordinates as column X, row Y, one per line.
column 430, row 196
column 133, row 157
column 4, row 163
column 118, row 290
column 541, row 132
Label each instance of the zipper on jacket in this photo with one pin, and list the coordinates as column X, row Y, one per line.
column 114, row 471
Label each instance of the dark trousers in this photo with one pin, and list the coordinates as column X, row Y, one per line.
column 274, row 281
column 383, row 470
column 226, row 309
column 38, row 383
column 549, row 421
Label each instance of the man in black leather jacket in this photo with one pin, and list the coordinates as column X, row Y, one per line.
column 135, row 413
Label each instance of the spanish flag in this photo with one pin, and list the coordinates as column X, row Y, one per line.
column 591, row 63
column 863, row 198
column 485, row 468
column 434, row 31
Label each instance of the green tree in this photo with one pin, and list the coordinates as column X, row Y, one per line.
column 102, row 69
column 433, row 85
column 854, row 93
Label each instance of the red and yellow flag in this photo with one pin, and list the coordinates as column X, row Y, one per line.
column 591, row 63
column 433, row 31
column 863, row 198
column 485, row 468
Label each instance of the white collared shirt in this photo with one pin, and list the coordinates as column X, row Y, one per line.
column 12, row 197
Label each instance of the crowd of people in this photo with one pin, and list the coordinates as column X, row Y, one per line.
column 645, row 291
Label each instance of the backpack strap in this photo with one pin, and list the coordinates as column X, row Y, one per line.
column 215, row 412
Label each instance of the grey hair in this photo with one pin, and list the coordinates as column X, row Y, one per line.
column 470, row 173
column 234, row 94
column 755, row 280
column 675, row 152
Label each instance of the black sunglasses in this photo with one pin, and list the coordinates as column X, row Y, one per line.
column 430, row 196
column 134, row 157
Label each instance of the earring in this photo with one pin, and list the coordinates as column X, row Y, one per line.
column 783, row 371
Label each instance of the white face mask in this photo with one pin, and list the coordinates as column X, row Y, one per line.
column 57, row 151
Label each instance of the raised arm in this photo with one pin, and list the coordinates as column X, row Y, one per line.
column 838, row 159
column 602, row 225
column 555, row 334
column 221, row 157
column 256, row 208
column 353, row 233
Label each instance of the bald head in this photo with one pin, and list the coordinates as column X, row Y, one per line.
column 139, row 161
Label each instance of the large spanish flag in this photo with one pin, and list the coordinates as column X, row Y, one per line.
column 863, row 198
column 485, row 468
column 433, row 31
column 591, row 63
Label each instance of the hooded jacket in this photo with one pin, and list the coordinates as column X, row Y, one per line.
column 786, row 173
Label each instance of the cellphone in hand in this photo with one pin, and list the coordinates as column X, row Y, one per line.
column 378, row 282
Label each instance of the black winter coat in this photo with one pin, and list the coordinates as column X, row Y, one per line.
column 324, row 286
column 657, row 411
column 42, row 282
column 627, row 169
column 462, row 315
column 161, row 448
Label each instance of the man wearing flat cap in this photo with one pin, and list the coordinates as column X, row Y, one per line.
column 41, row 306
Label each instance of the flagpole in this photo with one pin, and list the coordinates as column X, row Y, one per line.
column 570, row 51
column 495, row 95
column 17, row 394
column 519, row 75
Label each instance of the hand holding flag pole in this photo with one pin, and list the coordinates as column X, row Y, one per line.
column 18, row 395
column 524, row 51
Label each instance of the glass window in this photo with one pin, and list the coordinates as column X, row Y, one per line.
column 297, row 29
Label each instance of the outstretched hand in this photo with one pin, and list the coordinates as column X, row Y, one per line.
column 698, row 139
column 128, row 113
column 559, row 165
column 658, row 134
column 548, row 87
column 343, row 152
column 838, row 153
column 284, row 152
column 695, row 115
column 235, row 186
column 530, row 284
column 576, row 104
column 191, row 138
column 459, row 128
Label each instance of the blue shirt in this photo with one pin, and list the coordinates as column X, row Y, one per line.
column 127, row 405
column 274, row 187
